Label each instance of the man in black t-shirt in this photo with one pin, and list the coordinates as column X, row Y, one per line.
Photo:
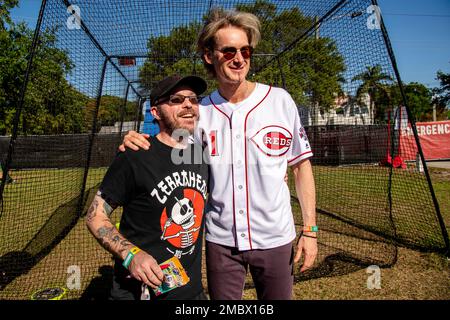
column 163, row 194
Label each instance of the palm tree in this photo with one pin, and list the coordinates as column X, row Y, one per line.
column 373, row 83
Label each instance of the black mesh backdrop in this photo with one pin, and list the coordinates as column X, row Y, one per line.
column 324, row 52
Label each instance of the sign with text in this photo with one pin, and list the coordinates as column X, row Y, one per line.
column 434, row 139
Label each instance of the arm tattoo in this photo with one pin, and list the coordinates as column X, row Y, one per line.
column 108, row 205
column 92, row 212
column 107, row 208
column 112, row 240
column 105, row 233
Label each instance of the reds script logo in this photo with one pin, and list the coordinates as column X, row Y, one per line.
column 274, row 141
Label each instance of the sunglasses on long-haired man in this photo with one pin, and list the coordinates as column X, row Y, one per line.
column 230, row 52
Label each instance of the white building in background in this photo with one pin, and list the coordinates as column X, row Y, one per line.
column 127, row 126
column 346, row 111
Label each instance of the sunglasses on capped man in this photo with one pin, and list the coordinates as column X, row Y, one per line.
column 230, row 52
column 179, row 99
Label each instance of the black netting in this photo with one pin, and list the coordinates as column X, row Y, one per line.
column 330, row 55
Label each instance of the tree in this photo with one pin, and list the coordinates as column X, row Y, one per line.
column 51, row 104
column 110, row 111
column 312, row 69
column 374, row 84
column 5, row 7
column 419, row 101
column 12, row 43
column 444, row 90
column 442, row 99
column 174, row 53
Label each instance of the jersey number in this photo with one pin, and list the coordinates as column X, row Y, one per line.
column 213, row 138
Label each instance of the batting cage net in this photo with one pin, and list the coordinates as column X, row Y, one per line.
column 85, row 82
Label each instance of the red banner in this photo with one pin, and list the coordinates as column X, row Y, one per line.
column 434, row 139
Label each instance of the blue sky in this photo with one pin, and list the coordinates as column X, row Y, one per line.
column 418, row 29
column 419, row 32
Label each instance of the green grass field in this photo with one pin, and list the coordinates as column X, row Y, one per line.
column 31, row 218
column 416, row 274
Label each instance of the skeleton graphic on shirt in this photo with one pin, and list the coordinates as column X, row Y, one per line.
column 182, row 215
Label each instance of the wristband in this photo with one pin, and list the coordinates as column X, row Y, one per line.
column 311, row 229
column 305, row 235
column 133, row 251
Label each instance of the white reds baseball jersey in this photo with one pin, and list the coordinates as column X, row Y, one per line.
column 249, row 146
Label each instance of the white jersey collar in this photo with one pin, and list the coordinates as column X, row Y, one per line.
column 245, row 105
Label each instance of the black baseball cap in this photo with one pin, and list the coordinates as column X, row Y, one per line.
column 166, row 86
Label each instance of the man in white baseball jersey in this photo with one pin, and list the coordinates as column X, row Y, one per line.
column 251, row 132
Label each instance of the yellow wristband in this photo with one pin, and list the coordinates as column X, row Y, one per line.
column 130, row 256
column 135, row 250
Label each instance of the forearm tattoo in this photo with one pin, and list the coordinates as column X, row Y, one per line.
column 107, row 235
column 110, row 238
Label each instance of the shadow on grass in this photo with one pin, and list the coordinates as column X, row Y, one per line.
column 99, row 288
column 56, row 228
column 13, row 264
column 334, row 265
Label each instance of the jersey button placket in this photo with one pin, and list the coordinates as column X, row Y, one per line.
column 239, row 180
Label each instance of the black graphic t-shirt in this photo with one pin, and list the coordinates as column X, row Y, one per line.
column 163, row 194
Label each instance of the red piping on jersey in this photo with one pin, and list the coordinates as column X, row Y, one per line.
column 229, row 120
column 299, row 156
column 246, row 167
column 232, row 170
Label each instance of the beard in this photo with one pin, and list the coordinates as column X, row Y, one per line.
column 172, row 125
